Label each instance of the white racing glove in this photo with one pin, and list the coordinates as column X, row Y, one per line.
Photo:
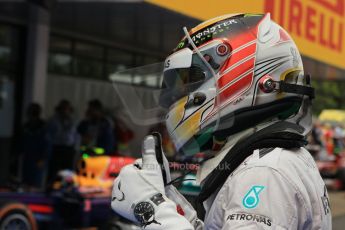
column 139, row 194
column 170, row 190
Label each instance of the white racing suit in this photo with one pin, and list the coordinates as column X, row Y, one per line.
column 271, row 189
column 280, row 189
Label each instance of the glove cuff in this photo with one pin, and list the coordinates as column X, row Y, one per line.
column 159, row 212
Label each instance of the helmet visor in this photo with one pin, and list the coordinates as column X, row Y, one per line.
column 154, row 88
column 139, row 90
column 181, row 91
column 180, row 82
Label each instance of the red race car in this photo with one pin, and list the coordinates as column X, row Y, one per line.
column 77, row 199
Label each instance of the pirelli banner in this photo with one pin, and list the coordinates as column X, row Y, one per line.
column 317, row 26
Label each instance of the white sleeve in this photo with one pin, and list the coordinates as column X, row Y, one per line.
column 260, row 198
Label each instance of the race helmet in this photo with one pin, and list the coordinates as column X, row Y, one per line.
column 229, row 74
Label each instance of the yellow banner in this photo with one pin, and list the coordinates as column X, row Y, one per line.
column 317, row 26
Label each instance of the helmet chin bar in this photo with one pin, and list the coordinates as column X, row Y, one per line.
column 210, row 69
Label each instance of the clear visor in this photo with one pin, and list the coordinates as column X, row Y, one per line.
column 151, row 91
column 182, row 92
column 179, row 82
column 140, row 94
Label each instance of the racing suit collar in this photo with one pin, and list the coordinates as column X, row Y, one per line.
column 281, row 134
column 209, row 165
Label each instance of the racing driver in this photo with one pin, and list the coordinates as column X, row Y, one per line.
column 234, row 89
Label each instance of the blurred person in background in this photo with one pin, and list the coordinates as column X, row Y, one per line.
column 122, row 136
column 338, row 139
column 96, row 130
column 62, row 132
column 315, row 140
column 316, row 133
column 327, row 140
column 35, row 148
column 328, row 134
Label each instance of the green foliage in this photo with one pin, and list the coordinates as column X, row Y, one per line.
column 329, row 95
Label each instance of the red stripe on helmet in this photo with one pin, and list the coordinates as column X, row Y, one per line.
column 232, row 93
column 235, row 72
column 239, row 40
column 239, row 54
column 236, row 88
